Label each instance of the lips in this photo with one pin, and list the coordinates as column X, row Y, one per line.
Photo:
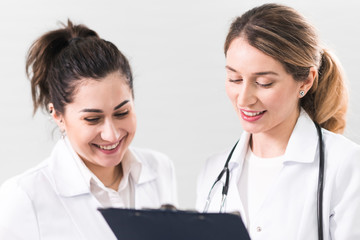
column 251, row 116
column 109, row 148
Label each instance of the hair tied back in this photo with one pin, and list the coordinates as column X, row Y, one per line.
column 74, row 40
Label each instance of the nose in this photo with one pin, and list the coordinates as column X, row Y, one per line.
column 247, row 95
column 110, row 132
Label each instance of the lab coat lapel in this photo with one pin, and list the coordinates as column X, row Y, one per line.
column 145, row 185
column 88, row 221
column 301, row 149
column 234, row 203
column 74, row 193
column 303, row 143
column 66, row 175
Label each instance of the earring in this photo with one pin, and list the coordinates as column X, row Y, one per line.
column 302, row 93
column 63, row 133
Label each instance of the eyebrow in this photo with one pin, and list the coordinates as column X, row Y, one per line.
column 230, row 68
column 257, row 73
column 266, row 73
column 94, row 110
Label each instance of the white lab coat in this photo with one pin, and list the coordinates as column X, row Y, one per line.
column 289, row 209
column 52, row 201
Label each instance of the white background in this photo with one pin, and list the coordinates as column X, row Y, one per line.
column 176, row 52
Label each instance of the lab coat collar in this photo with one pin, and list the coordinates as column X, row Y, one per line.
column 303, row 141
column 68, row 178
column 301, row 147
column 239, row 153
column 304, row 135
column 130, row 164
column 147, row 172
column 236, row 163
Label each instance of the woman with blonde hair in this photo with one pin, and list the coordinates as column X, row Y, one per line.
column 86, row 85
column 291, row 175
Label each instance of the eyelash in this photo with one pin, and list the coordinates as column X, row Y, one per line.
column 235, row 80
column 261, row 85
column 91, row 120
column 264, row 85
column 121, row 114
column 96, row 119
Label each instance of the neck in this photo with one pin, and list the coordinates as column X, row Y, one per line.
column 273, row 143
column 109, row 176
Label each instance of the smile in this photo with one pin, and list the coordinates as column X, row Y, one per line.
column 108, row 147
column 251, row 114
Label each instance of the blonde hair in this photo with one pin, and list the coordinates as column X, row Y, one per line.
column 282, row 33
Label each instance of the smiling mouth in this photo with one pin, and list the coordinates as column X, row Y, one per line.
column 107, row 147
column 252, row 114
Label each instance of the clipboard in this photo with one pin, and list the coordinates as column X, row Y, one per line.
column 158, row 224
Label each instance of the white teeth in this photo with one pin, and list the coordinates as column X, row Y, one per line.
column 251, row 114
column 109, row 147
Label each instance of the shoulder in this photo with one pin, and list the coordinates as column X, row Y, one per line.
column 218, row 158
column 24, row 187
column 342, row 161
column 337, row 145
column 342, row 157
column 35, row 177
column 236, row 153
column 25, row 180
column 208, row 173
column 14, row 190
column 215, row 162
column 212, row 167
column 17, row 203
column 338, row 139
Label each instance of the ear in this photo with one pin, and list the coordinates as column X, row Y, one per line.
column 58, row 118
column 309, row 81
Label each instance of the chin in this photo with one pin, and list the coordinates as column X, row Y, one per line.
column 107, row 161
column 109, row 164
column 251, row 128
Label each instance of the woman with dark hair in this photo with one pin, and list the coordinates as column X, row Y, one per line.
column 86, row 85
column 291, row 174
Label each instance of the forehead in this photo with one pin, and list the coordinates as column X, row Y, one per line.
column 244, row 58
column 100, row 93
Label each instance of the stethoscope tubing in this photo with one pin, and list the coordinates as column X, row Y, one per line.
column 320, row 184
column 226, row 185
column 320, row 189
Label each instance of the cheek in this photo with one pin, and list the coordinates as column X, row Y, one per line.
column 84, row 136
column 275, row 98
column 79, row 133
column 231, row 92
column 281, row 99
column 130, row 123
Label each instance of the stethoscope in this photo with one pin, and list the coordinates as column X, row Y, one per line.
column 225, row 188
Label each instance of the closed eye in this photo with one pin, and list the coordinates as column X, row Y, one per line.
column 121, row 114
column 264, row 85
column 235, row 80
column 92, row 119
